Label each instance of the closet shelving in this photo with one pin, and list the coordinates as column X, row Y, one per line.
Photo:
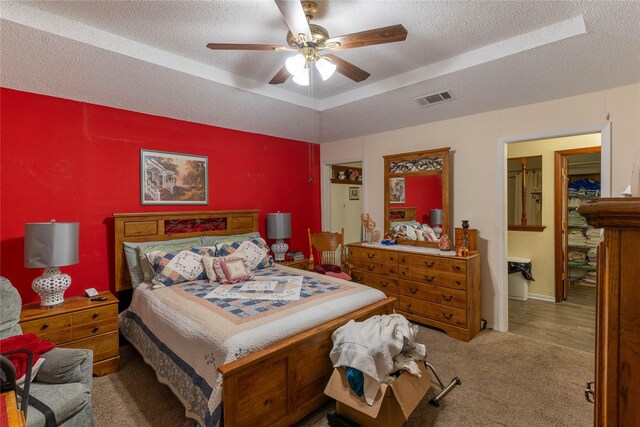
column 583, row 240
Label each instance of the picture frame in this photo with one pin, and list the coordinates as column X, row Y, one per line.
column 354, row 193
column 168, row 178
column 396, row 190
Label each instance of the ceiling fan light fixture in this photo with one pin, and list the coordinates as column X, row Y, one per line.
column 302, row 78
column 296, row 64
column 325, row 67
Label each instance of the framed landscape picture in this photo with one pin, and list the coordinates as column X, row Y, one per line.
column 173, row 179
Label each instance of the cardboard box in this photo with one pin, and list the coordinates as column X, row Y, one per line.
column 392, row 406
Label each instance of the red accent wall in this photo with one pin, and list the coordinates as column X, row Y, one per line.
column 423, row 192
column 73, row 161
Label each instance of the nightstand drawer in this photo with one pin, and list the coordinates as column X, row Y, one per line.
column 95, row 328
column 104, row 346
column 47, row 326
column 94, row 315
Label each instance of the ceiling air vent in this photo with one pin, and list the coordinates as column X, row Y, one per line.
column 434, row 98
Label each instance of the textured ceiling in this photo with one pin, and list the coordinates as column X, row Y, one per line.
column 151, row 57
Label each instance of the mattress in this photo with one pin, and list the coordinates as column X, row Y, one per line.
column 186, row 331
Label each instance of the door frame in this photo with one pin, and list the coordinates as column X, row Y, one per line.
column 560, row 159
column 325, row 187
column 499, row 265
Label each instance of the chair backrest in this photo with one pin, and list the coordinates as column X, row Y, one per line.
column 10, row 307
column 328, row 246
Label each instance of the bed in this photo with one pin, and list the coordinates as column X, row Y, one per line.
column 264, row 366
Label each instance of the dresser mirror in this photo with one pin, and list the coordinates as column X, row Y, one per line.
column 416, row 196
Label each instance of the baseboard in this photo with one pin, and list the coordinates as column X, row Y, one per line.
column 541, row 297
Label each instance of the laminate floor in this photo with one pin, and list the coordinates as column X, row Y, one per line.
column 570, row 323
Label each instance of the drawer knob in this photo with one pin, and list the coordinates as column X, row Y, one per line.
column 43, row 327
column 429, row 278
column 429, row 264
column 413, row 290
column 458, row 282
column 457, row 268
column 371, row 267
column 371, row 256
column 357, row 278
column 447, row 297
column 384, row 284
column 392, row 271
column 94, row 316
column 447, row 316
column 403, row 260
column 390, row 258
column 409, row 309
column 95, row 329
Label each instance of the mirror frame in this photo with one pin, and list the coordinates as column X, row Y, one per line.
column 409, row 164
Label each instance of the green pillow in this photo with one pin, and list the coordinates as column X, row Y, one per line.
column 133, row 261
column 213, row 240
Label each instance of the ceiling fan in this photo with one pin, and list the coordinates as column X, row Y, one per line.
column 310, row 40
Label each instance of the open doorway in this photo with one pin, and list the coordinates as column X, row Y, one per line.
column 535, row 310
column 345, row 200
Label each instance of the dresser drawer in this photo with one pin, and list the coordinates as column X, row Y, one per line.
column 373, row 255
column 48, row 326
column 437, row 294
column 429, row 263
column 438, row 278
column 95, row 328
column 437, row 312
column 384, row 283
column 95, row 315
column 376, row 267
column 104, row 346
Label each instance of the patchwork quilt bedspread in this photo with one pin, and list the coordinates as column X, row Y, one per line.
column 186, row 331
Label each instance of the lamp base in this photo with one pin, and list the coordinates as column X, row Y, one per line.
column 437, row 230
column 279, row 249
column 51, row 286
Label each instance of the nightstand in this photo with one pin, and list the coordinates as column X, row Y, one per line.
column 302, row 264
column 79, row 323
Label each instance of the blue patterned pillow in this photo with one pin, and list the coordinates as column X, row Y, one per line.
column 171, row 268
column 254, row 251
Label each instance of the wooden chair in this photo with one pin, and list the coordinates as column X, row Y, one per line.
column 329, row 248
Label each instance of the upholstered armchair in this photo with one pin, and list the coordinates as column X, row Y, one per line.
column 63, row 381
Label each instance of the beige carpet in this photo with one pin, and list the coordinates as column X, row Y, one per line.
column 507, row 380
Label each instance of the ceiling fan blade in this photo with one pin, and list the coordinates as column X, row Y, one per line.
column 294, row 16
column 393, row 33
column 238, row 46
column 280, row 77
column 348, row 69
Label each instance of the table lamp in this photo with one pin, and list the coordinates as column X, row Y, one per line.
column 279, row 228
column 436, row 221
column 50, row 245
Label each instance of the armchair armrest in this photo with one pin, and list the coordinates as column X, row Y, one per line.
column 66, row 365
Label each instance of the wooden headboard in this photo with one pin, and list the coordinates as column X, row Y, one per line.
column 402, row 214
column 157, row 226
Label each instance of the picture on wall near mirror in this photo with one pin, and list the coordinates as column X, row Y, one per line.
column 396, row 190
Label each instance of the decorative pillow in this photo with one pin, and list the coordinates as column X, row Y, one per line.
column 341, row 275
column 207, row 263
column 327, row 268
column 135, row 262
column 176, row 267
column 215, row 240
column 167, row 246
column 255, row 251
column 231, row 269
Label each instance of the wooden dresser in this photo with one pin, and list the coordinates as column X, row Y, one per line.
column 79, row 323
column 617, row 377
column 432, row 289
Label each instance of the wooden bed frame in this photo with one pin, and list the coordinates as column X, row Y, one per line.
column 275, row 386
column 402, row 214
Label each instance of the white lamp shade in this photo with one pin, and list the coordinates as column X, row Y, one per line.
column 325, row 67
column 50, row 244
column 278, row 225
column 302, row 78
column 295, row 64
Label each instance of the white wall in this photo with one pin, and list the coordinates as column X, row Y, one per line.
column 345, row 213
column 539, row 246
column 476, row 175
